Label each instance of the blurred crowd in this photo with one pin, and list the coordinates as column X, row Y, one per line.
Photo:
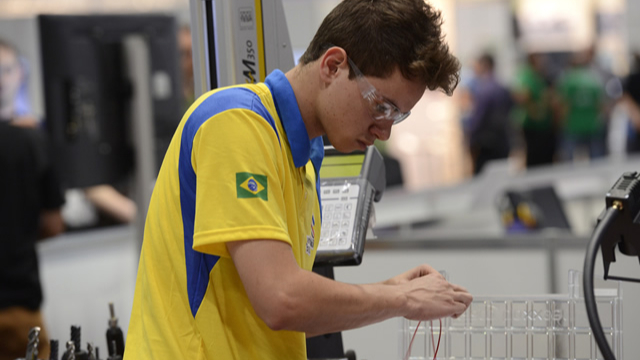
column 557, row 108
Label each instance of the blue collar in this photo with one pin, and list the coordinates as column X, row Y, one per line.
column 284, row 98
column 302, row 148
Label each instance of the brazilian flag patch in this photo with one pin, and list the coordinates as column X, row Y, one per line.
column 250, row 185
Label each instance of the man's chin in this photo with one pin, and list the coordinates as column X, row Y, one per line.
column 345, row 149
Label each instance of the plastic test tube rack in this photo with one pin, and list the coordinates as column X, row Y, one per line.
column 522, row 327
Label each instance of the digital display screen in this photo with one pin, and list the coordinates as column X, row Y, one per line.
column 341, row 166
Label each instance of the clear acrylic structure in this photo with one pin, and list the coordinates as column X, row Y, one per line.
column 553, row 327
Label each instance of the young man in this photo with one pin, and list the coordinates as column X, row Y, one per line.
column 234, row 220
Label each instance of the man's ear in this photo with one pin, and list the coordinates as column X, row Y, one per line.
column 332, row 63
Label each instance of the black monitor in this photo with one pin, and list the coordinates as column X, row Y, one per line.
column 88, row 93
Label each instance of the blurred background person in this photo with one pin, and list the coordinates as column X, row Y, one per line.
column 186, row 65
column 30, row 201
column 13, row 105
column 107, row 206
column 631, row 100
column 93, row 206
column 487, row 123
column 533, row 112
column 581, row 101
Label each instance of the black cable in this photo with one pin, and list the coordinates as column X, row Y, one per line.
column 589, row 295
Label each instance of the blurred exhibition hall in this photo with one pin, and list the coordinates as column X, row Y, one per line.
column 499, row 186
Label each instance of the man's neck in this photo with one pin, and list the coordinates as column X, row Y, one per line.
column 303, row 85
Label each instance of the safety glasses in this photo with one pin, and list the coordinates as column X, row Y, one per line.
column 381, row 109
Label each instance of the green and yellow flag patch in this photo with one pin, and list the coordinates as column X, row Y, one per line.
column 250, row 185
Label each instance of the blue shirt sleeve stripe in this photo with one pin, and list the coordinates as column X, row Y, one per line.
column 199, row 265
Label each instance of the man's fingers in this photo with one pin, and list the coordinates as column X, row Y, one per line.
column 426, row 270
column 462, row 295
column 459, row 288
column 458, row 310
column 464, row 298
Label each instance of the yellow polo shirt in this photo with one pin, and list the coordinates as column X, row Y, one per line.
column 241, row 166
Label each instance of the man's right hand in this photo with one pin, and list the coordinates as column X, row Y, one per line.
column 25, row 122
column 287, row 297
column 430, row 296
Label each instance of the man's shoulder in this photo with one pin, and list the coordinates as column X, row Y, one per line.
column 236, row 92
column 226, row 111
column 249, row 97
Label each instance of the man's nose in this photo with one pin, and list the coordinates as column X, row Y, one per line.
column 382, row 129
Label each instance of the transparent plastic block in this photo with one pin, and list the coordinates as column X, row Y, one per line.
column 533, row 327
column 583, row 346
column 478, row 314
column 540, row 345
column 456, row 345
column 519, row 314
column 498, row 342
column 561, row 345
column 560, row 315
column 499, row 315
column 519, row 346
column 478, row 344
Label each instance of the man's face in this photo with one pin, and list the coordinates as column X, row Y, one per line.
column 10, row 76
column 347, row 118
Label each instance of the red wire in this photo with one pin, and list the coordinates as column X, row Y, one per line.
column 433, row 341
column 435, row 354
column 439, row 336
column 406, row 357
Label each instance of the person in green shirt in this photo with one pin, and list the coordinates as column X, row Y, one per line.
column 533, row 113
column 581, row 100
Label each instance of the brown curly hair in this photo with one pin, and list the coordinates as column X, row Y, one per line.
column 380, row 35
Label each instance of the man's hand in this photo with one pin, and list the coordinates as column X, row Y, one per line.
column 407, row 276
column 431, row 296
column 51, row 223
column 25, row 122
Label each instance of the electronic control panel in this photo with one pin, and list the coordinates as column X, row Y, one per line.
column 349, row 184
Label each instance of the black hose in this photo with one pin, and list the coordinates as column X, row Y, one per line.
column 589, row 296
